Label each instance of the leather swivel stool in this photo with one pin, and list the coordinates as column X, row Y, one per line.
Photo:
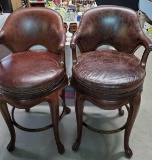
column 29, row 77
column 109, row 78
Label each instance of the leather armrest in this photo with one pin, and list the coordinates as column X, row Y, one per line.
column 62, row 41
column 147, row 43
column 73, row 45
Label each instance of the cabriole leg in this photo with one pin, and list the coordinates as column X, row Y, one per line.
column 7, row 118
column 79, row 117
column 134, row 107
column 54, row 107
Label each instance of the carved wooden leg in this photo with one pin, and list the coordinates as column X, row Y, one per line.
column 7, row 118
column 134, row 107
column 67, row 109
column 79, row 117
column 54, row 107
column 121, row 111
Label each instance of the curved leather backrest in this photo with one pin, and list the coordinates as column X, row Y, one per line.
column 27, row 27
column 109, row 25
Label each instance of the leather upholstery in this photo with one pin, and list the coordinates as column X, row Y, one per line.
column 30, row 72
column 102, row 71
column 29, row 77
column 118, row 27
column 47, row 35
column 108, row 71
column 109, row 79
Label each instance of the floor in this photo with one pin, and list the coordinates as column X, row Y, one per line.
column 41, row 146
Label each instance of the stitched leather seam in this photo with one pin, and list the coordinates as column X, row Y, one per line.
column 108, row 93
column 33, row 91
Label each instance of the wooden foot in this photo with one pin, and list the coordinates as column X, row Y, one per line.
column 128, row 152
column 121, row 111
column 76, row 145
column 60, row 147
column 67, row 110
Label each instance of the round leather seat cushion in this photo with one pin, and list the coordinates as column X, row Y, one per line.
column 30, row 71
column 108, row 71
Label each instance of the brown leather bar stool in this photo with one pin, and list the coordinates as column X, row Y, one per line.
column 29, row 77
column 109, row 78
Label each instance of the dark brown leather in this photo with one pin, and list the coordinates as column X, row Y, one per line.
column 29, row 77
column 107, row 25
column 109, row 79
column 50, row 36
column 109, row 71
column 28, row 74
column 30, row 71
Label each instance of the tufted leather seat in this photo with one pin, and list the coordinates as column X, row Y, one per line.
column 108, row 78
column 29, row 77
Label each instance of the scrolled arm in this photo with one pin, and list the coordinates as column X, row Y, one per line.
column 147, row 43
column 73, row 45
column 62, row 59
column 61, row 47
column 62, row 40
